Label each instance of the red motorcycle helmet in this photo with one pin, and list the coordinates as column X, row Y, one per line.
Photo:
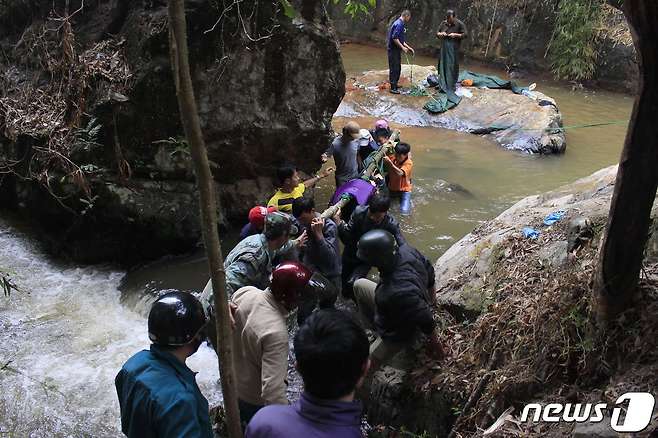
column 289, row 280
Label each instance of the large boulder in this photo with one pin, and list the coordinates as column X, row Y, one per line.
column 266, row 89
column 514, row 121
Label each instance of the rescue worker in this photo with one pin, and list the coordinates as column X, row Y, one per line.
column 344, row 149
column 250, row 262
column 331, row 352
column 396, row 44
column 451, row 32
column 321, row 254
column 260, row 337
column 399, row 307
column 158, row 394
column 365, row 218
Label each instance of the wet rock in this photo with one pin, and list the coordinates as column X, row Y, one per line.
column 396, row 402
column 515, row 122
column 555, row 254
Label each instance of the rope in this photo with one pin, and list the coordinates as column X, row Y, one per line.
column 564, row 128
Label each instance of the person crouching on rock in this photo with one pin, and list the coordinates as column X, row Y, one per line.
column 331, row 351
column 396, row 44
column 400, row 306
column 400, row 167
column 158, row 393
column 260, row 337
column 250, row 262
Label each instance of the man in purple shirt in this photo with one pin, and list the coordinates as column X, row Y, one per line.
column 396, row 44
column 331, row 350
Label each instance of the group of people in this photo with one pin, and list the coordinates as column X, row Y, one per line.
column 289, row 259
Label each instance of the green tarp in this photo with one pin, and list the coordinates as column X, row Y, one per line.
column 444, row 99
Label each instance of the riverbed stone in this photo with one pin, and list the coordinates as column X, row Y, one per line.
column 514, row 121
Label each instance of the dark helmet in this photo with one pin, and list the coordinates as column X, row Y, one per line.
column 278, row 224
column 175, row 319
column 377, row 248
column 289, row 280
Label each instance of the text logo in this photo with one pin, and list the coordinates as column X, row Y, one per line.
column 638, row 413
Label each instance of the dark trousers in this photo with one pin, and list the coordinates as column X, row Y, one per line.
column 394, row 67
column 247, row 412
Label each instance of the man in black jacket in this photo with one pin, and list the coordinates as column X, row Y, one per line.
column 374, row 216
column 400, row 306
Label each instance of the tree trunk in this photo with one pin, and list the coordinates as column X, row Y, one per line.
column 622, row 249
column 190, row 119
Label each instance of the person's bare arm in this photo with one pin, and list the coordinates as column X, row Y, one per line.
column 312, row 181
column 393, row 167
column 400, row 45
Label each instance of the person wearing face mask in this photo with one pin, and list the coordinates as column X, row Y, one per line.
column 365, row 218
column 158, row 393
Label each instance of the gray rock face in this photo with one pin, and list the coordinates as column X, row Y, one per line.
column 266, row 93
column 514, row 121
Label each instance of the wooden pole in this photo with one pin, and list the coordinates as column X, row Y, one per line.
column 205, row 182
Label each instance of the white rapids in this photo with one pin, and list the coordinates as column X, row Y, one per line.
column 63, row 339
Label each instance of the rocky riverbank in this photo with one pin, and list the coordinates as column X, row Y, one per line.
column 517, row 325
column 515, row 122
column 91, row 144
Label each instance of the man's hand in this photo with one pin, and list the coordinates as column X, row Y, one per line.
column 300, row 242
column 405, row 50
column 328, row 171
column 441, row 34
column 324, row 158
column 413, row 52
column 317, row 225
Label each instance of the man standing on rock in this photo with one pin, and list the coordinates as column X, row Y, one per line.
column 450, row 32
column 396, row 44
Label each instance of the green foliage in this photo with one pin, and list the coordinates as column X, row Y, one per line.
column 86, row 138
column 288, row 9
column 356, row 8
column 573, row 50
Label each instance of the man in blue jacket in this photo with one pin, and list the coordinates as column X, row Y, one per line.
column 396, row 44
column 158, row 394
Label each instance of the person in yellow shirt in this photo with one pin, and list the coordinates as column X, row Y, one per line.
column 399, row 176
column 291, row 187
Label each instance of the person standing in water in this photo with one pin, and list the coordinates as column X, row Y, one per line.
column 451, row 32
column 396, row 44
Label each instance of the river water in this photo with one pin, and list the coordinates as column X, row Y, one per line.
column 65, row 336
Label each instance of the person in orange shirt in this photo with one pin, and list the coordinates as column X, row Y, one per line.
column 399, row 176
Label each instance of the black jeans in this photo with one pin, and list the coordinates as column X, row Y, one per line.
column 394, row 67
column 247, row 412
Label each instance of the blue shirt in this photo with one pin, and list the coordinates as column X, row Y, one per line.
column 396, row 32
column 159, row 397
column 309, row 417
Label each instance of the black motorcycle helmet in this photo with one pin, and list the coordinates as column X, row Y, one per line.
column 175, row 319
column 378, row 248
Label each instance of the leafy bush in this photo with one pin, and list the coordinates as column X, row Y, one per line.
column 573, row 50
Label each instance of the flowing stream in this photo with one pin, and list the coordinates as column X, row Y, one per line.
column 67, row 333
